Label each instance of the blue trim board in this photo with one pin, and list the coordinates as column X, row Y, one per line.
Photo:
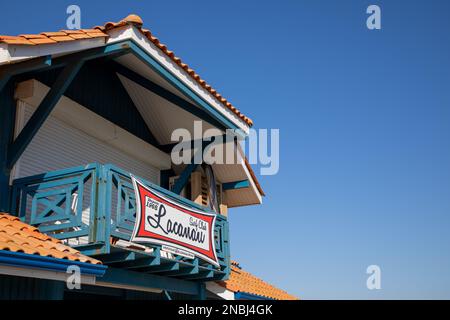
column 235, row 185
column 24, row 260
column 249, row 296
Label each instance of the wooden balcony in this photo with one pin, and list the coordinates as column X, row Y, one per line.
column 92, row 208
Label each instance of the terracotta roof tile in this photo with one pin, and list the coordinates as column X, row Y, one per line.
column 96, row 34
column 78, row 36
column 54, row 34
column 243, row 281
column 42, row 41
column 72, row 31
column 52, row 37
column 100, row 31
column 21, row 237
column 62, row 38
column 15, row 40
column 33, row 36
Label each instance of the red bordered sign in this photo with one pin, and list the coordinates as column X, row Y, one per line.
column 162, row 221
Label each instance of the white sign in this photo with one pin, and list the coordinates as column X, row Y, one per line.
column 160, row 220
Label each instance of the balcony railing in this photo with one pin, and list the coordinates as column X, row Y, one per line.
column 92, row 208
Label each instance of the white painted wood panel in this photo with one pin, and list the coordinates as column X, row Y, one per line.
column 58, row 145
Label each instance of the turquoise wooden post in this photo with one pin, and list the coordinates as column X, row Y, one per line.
column 101, row 213
column 7, row 115
column 186, row 174
column 201, row 291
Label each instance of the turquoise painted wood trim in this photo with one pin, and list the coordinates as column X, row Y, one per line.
column 235, row 185
column 102, row 225
column 186, row 173
column 47, row 176
column 8, row 71
column 184, row 177
column 249, row 296
column 169, row 266
column 201, row 291
column 24, row 260
column 185, row 270
column 202, row 275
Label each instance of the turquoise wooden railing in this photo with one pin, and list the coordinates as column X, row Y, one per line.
column 87, row 206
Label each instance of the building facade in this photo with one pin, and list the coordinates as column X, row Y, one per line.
column 86, row 113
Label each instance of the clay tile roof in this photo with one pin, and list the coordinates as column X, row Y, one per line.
column 101, row 31
column 52, row 37
column 243, row 281
column 20, row 237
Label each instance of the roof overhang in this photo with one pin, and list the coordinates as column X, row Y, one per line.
column 150, row 60
column 172, row 72
column 239, row 183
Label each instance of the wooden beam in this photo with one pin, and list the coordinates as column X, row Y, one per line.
column 207, row 274
column 184, row 176
column 170, row 266
column 45, row 108
column 185, row 270
column 10, row 70
column 138, row 263
column 116, row 257
column 201, row 291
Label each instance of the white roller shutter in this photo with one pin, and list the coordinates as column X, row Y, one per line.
column 57, row 145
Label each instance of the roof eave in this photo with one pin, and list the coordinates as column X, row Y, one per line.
column 130, row 32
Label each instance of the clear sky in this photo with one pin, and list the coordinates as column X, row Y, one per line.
column 364, row 119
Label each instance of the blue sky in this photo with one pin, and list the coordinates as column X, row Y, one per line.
column 364, row 119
